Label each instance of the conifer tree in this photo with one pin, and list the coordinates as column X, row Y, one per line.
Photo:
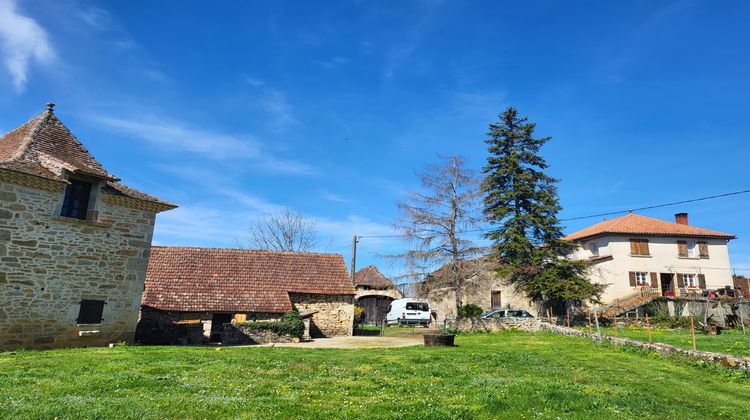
column 521, row 202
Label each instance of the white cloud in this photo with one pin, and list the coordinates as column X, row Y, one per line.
column 22, row 40
column 327, row 195
column 216, row 145
column 95, row 17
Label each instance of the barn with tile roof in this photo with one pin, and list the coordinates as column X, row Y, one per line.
column 216, row 286
column 74, row 241
column 375, row 292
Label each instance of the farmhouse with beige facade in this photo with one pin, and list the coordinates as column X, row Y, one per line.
column 633, row 252
column 191, row 293
column 74, row 242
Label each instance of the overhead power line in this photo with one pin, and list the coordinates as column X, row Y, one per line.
column 656, row 206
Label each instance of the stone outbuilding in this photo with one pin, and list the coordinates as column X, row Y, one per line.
column 74, row 242
column 374, row 293
column 481, row 287
column 195, row 291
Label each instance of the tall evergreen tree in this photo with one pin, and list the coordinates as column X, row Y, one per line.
column 521, row 201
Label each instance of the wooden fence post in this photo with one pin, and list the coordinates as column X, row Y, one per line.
column 590, row 330
column 742, row 319
column 567, row 317
column 598, row 330
column 648, row 328
column 616, row 332
column 692, row 331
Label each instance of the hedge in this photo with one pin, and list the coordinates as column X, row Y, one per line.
column 290, row 324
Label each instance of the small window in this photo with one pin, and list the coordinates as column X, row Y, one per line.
column 689, row 280
column 639, row 247
column 90, row 312
column 76, row 202
column 691, row 249
column 594, row 248
column 641, row 279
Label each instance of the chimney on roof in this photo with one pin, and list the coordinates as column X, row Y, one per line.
column 51, row 106
column 681, row 218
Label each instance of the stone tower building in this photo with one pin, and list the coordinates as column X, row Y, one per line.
column 74, row 242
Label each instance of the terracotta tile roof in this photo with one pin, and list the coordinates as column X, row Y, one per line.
column 635, row 224
column 372, row 277
column 44, row 147
column 234, row 280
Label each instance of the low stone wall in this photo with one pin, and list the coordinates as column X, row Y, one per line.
column 495, row 324
column 663, row 349
column 235, row 334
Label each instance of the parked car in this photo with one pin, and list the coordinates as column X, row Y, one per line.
column 506, row 313
column 408, row 311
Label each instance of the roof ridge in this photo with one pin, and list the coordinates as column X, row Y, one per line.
column 27, row 139
column 270, row 251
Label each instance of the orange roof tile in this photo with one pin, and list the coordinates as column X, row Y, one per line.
column 233, row 280
column 372, row 277
column 635, row 224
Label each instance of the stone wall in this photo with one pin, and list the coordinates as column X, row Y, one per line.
column 48, row 264
column 334, row 316
column 234, row 334
column 734, row 362
column 169, row 327
column 495, row 324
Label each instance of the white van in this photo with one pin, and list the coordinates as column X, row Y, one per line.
column 408, row 311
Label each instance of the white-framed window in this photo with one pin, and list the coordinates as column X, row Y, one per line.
column 691, row 249
column 689, row 280
column 641, row 279
column 594, row 248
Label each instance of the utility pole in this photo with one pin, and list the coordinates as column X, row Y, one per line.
column 354, row 255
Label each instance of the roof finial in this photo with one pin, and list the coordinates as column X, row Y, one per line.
column 630, row 211
column 51, row 106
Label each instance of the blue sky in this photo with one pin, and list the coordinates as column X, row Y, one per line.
column 237, row 109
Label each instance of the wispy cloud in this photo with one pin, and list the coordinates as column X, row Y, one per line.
column 399, row 53
column 214, row 144
column 22, row 40
column 333, row 62
column 95, row 17
column 274, row 102
column 327, row 195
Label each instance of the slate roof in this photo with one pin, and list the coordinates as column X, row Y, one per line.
column 44, row 147
column 372, row 277
column 635, row 224
column 189, row 279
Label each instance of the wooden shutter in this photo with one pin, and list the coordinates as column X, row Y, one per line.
column 90, row 312
column 639, row 247
column 682, row 248
column 496, row 299
column 680, row 280
column 633, row 247
column 703, row 249
column 702, row 281
column 654, row 280
column 632, row 279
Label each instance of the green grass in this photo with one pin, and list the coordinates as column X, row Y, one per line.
column 729, row 341
column 507, row 375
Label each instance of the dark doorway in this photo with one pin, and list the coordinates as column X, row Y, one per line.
column 496, row 299
column 375, row 308
column 217, row 326
column 667, row 288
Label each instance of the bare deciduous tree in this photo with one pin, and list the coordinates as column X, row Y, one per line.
column 286, row 230
column 433, row 221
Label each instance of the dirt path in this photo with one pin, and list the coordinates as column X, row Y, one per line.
column 354, row 342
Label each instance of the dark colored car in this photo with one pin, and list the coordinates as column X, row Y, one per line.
column 506, row 313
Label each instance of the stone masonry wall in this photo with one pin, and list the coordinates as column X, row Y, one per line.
column 48, row 264
column 495, row 324
column 335, row 313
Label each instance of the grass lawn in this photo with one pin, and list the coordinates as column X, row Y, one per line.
column 729, row 341
column 509, row 375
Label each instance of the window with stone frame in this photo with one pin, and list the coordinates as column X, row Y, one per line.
column 689, row 280
column 76, row 201
column 641, row 279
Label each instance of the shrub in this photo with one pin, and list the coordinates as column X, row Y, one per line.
column 290, row 324
column 469, row 311
column 359, row 314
